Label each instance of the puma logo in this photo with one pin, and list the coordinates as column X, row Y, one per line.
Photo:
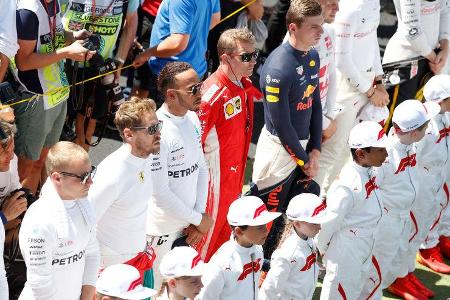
column 234, row 169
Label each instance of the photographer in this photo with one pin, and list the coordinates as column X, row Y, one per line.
column 12, row 205
column 93, row 95
column 39, row 69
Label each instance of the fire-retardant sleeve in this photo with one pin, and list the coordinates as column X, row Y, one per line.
column 92, row 259
column 163, row 197
column 280, row 268
column 339, row 202
column 411, row 26
column 345, row 29
column 279, row 112
column 36, row 244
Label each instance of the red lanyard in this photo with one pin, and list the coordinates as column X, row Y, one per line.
column 51, row 21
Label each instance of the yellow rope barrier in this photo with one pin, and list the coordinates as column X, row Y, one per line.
column 101, row 75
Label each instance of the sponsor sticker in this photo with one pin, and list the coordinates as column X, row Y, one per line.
column 272, row 98
column 271, row 89
column 232, row 107
column 312, row 63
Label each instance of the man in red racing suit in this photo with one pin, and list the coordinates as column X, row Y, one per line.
column 226, row 115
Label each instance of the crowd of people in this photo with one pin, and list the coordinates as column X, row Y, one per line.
column 350, row 174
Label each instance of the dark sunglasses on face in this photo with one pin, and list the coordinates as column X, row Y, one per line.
column 246, row 57
column 195, row 88
column 83, row 177
column 152, row 129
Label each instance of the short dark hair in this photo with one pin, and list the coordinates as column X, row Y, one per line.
column 166, row 78
column 301, row 9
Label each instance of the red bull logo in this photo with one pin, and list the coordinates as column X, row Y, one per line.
column 309, row 91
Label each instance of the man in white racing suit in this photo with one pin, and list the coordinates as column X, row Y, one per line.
column 57, row 237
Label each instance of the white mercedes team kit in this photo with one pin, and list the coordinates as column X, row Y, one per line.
column 57, row 240
column 348, row 240
column 398, row 183
column 232, row 273
column 432, row 158
column 293, row 271
column 436, row 157
column 358, row 62
column 421, row 25
column 181, row 177
column 120, row 195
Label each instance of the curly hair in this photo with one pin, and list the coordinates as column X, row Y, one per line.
column 166, row 78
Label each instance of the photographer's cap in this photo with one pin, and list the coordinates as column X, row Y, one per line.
column 367, row 134
column 123, row 281
column 411, row 114
column 374, row 113
column 437, row 88
column 308, row 208
column 250, row 211
column 181, row 261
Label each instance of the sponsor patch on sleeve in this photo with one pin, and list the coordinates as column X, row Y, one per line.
column 210, row 92
column 271, row 89
column 272, row 98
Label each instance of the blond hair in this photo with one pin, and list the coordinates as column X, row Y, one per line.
column 8, row 131
column 62, row 154
column 301, row 9
column 227, row 40
column 130, row 113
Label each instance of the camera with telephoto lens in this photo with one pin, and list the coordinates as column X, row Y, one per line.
column 97, row 62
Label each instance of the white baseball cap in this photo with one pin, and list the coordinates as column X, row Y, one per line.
column 123, row 281
column 411, row 114
column 374, row 113
column 367, row 134
column 251, row 211
column 437, row 88
column 181, row 261
column 308, row 208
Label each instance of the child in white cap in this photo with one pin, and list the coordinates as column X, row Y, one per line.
column 293, row 269
column 181, row 269
column 434, row 154
column 398, row 184
column 234, row 270
column 122, row 282
column 346, row 241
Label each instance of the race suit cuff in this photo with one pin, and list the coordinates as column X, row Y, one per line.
column 2, row 216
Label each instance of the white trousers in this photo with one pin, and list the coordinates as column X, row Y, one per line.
column 161, row 245
column 424, row 211
column 441, row 222
column 335, row 151
column 110, row 257
column 391, row 247
column 347, row 261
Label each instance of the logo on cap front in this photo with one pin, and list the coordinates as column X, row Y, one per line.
column 259, row 211
column 318, row 209
column 195, row 261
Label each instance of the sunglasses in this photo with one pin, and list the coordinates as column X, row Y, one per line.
column 194, row 89
column 152, row 129
column 246, row 57
column 83, row 177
